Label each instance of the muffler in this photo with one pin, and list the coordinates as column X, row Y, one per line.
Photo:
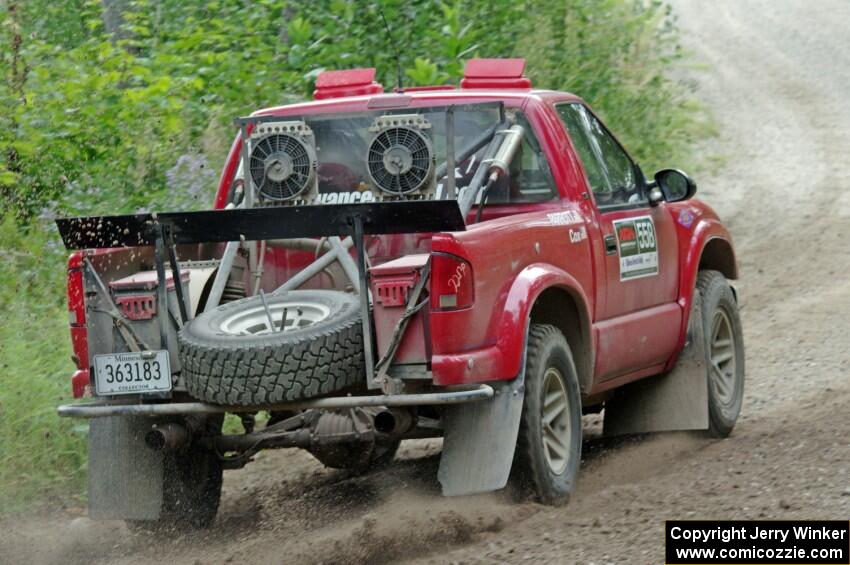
column 394, row 421
column 171, row 437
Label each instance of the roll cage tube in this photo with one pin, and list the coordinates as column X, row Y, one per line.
column 497, row 158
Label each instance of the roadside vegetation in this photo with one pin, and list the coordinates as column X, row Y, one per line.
column 125, row 105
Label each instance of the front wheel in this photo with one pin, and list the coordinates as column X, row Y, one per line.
column 724, row 345
column 548, row 449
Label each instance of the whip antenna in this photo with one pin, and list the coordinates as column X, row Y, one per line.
column 395, row 48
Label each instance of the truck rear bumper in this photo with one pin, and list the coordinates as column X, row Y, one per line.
column 103, row 410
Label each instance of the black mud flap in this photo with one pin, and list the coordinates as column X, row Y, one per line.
column 480, row 440
column 125, row 476
column 677, row 400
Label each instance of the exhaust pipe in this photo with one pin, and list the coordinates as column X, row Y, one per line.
column 394, row 421
column 171, row 437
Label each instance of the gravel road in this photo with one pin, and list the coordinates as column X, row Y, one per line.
column 776, row 76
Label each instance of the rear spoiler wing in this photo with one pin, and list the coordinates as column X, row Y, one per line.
column 210, row 226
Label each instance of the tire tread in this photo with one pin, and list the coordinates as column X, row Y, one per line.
column 711, row 283
column 530, row 470
column 273, row 372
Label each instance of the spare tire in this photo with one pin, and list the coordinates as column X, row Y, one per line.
column 231, row 355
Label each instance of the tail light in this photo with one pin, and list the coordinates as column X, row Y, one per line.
column 76, row 300
column 77, row 320
column 452, row 283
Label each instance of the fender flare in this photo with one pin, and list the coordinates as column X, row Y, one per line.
column 515, row 316
column 704, row 233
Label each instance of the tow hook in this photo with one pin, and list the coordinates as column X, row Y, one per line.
column 171, row 437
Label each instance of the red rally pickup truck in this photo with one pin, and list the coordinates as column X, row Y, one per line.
column 484, row 264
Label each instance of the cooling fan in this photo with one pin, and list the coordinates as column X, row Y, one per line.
column 283, row 160
column 401, row 160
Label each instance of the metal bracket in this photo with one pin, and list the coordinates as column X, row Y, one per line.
column 411, row 308
column 133, row 341
column 161, row 289
column 449, row 188
column 182, row 295
column 365, row 312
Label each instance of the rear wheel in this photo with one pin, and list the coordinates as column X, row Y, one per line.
column 548, row 449
column 191, row 492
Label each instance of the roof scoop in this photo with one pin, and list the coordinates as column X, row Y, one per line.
column 495, row 73
column 350, row 82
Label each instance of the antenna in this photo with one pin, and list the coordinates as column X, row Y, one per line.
column 395, row 48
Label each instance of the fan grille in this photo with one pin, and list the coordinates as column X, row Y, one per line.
column 400, row 160
column 281, row 166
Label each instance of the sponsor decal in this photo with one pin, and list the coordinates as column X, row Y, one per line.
column 578, row 235
column 638, row 247
column 565, row 218
column 686, row 218
column 344, row 197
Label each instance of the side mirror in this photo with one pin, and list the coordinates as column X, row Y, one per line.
column 674, row 185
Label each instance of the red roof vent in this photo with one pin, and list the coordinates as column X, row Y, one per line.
column 350, row 82
column 495, row 73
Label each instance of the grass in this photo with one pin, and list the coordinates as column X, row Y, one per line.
column 41, row 455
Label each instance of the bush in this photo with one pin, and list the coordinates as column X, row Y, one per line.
column 618, row 56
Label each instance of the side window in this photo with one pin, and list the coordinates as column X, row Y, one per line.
column 620, row 185
column 621, row 170
column 574, row 121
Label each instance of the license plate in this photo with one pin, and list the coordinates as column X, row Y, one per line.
column 132, row 373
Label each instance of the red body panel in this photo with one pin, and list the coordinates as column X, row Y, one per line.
column 636, row 317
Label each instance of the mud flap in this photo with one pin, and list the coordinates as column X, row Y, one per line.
column 125, row 476
column 480, row 440
column 677, row 400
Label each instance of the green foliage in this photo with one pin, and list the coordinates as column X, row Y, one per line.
column 106, row 115
column 39, row 453
column 618, row 56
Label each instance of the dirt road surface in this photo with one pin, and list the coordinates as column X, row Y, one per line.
column 776, row 77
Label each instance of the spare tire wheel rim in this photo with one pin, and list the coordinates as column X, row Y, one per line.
column 723, row 358
column 255, row 321
column 555, row 421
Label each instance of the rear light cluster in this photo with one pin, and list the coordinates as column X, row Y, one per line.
column 80, row 382
column 76, row 301
column 452, row 283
